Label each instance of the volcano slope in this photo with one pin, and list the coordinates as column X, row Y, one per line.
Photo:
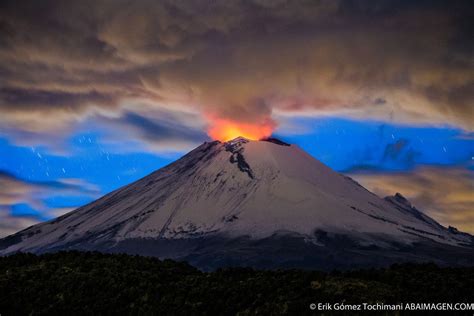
column 264, row 204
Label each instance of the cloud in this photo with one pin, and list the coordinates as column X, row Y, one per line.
column 392, row 151
column 253, row 61
column 400, row 152
column 16, row 191
column 377, row 156
column 163, row 131
column 444, row 193
column 10, row 224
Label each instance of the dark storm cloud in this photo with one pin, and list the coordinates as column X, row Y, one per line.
column 399, row 154
column 154, row 130
column 392, row 151
column 400, row 151
column 54, row 100
column 162, row 130
column 410, row 61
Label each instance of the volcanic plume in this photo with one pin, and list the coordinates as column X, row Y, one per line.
column 225, row 129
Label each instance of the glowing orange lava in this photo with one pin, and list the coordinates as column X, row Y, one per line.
column 225, row 130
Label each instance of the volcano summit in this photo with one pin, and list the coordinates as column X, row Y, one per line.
column 264, row 204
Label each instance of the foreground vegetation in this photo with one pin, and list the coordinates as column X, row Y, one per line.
column 94, row 283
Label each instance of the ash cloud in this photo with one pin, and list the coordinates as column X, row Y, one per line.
column 62, row 62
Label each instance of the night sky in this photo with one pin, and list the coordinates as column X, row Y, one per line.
column 97, row 94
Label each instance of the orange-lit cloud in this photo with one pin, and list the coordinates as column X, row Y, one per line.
column 243, row 60
column 446, row 194
column 20, row 191
column 224, row 130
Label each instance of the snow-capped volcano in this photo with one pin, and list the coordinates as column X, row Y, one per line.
column 261, row 203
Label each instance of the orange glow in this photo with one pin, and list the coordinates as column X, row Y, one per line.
column 225, row 130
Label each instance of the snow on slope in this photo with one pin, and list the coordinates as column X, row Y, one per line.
column 238, row 188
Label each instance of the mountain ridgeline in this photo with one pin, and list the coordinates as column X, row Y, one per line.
column 263, row 204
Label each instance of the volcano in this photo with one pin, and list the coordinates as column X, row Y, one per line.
column 264, row 204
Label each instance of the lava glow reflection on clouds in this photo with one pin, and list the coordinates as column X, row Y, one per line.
column 224, row 130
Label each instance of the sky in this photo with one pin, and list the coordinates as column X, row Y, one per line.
column 97, row 94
